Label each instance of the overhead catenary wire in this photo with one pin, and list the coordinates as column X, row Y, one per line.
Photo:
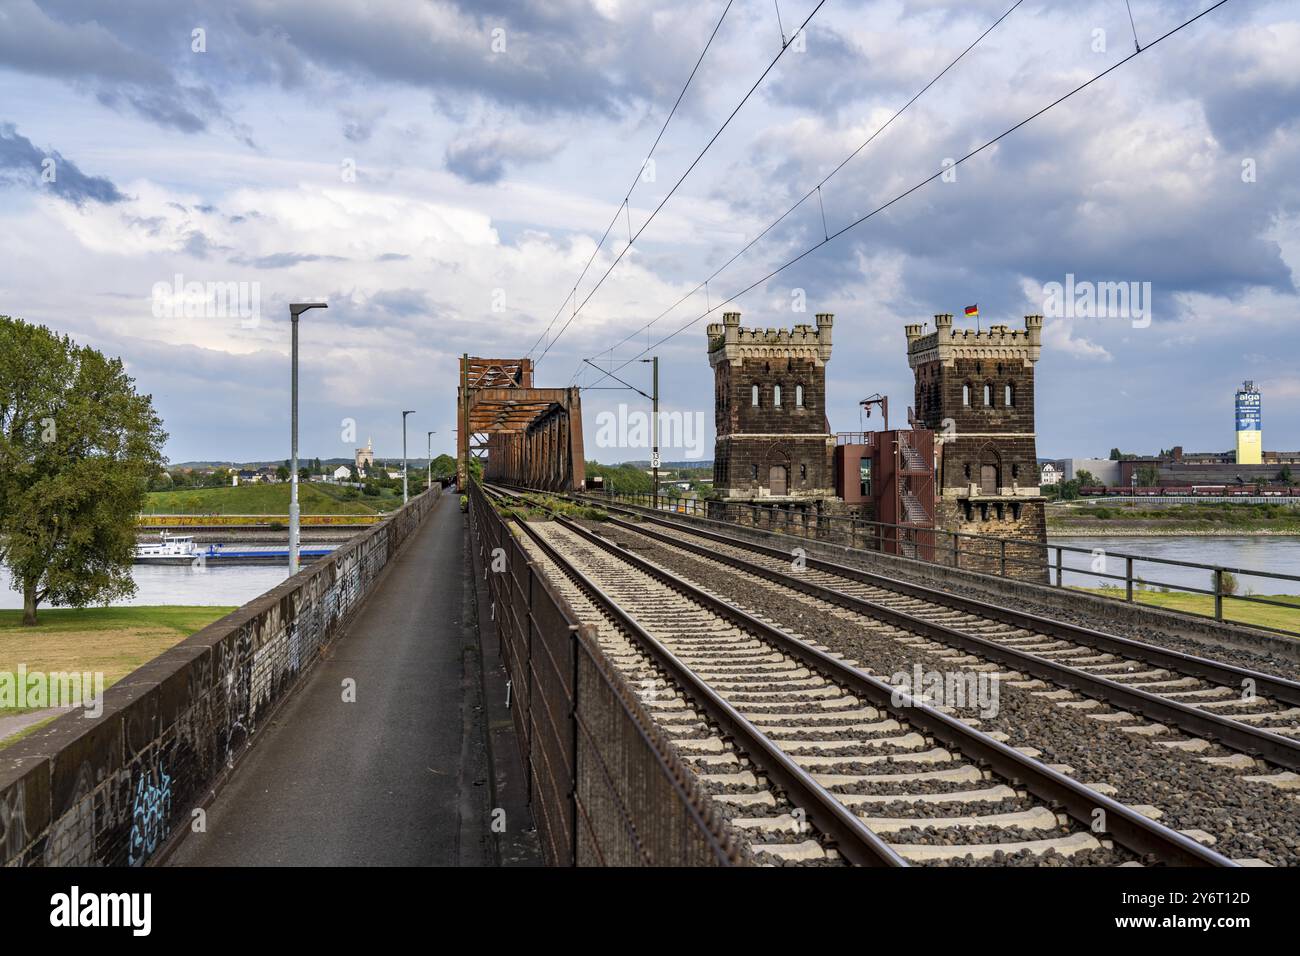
column 929, row 179
column 816, row 189
column 682, row 179
column 625, row 204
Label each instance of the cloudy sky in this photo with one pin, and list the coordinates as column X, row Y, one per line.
column 441, row 172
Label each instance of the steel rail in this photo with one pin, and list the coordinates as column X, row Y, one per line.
column 1126, row 825
column 851, row 837
column 1268, row 685
column 1272, row 747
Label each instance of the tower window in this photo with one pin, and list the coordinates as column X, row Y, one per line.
column 753, row 469
column 1009, row 395
column 965, row 395
column 798, row 396
column 803, row 471
column 776, row 396
column 988, row 394
column 753, row 396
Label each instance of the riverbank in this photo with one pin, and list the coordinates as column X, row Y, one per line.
column 315, row 498
column 112, row 641
column 1204, row 519
column 1234, row 609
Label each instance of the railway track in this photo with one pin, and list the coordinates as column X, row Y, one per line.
column 816, row 760
column 1188, row 701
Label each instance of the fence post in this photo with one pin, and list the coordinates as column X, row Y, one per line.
column 1003, row 556
column 1060, row 576
column 1218, row 594
column 1128, row 579
column 956, row 551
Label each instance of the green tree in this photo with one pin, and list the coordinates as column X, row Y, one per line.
column 78, row 446
column 1086, row 479
column 282, row 473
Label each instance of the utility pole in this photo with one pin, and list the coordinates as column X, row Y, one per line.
column 654, row 429
column 654, row 423
column 295, row 309
column 428, row 481
column 404, row 414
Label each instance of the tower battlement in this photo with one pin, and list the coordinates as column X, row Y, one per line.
column 1000, row 342
column 730, row 342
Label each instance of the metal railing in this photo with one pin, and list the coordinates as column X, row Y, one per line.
column 605, row 784
column 1035, row 561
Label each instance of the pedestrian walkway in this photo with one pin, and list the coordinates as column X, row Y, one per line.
column 400, row 777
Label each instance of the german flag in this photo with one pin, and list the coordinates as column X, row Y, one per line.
column 972, row 311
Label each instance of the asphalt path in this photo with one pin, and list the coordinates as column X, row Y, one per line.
column 400, row 776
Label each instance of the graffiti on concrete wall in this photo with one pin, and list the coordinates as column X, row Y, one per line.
column 150, row 814
column 13, row 821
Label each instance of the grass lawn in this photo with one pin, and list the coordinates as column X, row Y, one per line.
column 263, row 499
column 1242, row 612
column 114, row 640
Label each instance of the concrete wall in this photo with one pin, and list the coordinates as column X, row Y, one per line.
column 113, row 790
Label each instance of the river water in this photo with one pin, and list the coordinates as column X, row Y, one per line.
column 173, row 584
column 233, row 586
column 1277, row 553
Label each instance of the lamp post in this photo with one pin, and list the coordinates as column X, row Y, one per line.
column 295, row 309
column 428, row 480
column 404, row 414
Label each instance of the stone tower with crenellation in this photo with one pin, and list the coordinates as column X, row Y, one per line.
column 773, row 439
column 976, row 391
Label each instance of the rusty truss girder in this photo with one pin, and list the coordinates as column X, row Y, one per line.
column 523, row 435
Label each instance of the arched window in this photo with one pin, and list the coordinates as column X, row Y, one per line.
column 798, row 396
column 1009, row 395
column 776, row 396
column 803, row 471
column 753, row 396
column 965, row 395
column 753, row 469
column 988, row 394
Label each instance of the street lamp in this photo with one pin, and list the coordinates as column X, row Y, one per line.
column 428, row 481
column 295, row 309
column 404, row 414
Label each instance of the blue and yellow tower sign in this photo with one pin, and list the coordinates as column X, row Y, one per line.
column 1250, row 441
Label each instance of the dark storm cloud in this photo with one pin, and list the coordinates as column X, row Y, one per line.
column 22, row 162
column 558, row 56
column 85, row 49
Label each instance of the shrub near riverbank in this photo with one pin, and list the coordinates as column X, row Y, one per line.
column 1206, row 518
column 260, row 499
